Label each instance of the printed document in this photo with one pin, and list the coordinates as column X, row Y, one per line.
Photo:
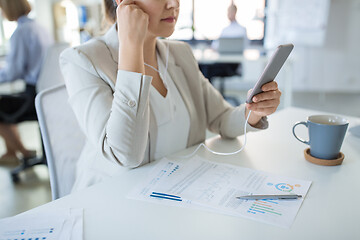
column 63, row 224
column 199, row 183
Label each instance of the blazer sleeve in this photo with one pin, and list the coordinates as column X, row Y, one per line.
column 116, row 122
column 221, row 117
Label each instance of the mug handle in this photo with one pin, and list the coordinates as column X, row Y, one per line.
column 293, row 130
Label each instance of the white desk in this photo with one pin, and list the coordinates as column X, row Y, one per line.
column 330, row 210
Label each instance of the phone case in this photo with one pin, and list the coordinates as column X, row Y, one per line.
column 273, row 67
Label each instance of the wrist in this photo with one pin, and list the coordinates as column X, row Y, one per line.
column 130, row 40
column 131, row 58
column 254, row 119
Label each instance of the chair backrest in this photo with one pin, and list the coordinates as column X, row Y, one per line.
column 50, row 74
column 62, row 137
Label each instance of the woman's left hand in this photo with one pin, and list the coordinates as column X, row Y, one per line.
column 264, row 103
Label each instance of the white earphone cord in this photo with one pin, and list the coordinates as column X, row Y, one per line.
column 220, row 153
column 166, row 64
column 202, row 144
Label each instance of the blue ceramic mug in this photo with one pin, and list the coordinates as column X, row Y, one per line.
column 326, row 135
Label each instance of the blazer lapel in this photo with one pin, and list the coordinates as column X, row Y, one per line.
column 179, row 79
column 112, row 42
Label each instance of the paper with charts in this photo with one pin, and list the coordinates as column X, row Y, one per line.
column 199, row 183
column 55, row 224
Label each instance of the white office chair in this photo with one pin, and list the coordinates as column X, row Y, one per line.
column 62, row 137
column 50, row 74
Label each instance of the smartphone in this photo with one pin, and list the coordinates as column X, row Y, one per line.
column 273, row 67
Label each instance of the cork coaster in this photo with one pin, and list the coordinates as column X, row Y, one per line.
column 323, row 162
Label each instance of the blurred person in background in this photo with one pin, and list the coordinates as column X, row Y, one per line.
column 234, row 30
column 24, row 59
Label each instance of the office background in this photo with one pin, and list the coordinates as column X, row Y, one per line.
column 325, row 62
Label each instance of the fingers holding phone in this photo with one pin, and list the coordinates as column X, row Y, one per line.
column 132, row 23
column 264, row 98
column 265, row 103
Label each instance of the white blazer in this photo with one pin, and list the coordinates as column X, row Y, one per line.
column 112, row 106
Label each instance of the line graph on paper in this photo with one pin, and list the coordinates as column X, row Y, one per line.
column 220, row 180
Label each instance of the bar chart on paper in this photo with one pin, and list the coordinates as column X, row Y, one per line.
column 64, row 224
column 37, row 233
column 264, row 207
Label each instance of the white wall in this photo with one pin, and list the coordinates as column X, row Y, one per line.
column 333, row 65
column 44, row 14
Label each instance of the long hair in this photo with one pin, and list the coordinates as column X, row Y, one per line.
column 110, row 11
column 14, row 9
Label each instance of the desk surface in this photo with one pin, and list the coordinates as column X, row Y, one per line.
column 329, row 211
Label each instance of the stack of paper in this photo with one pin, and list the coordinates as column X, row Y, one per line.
column 198, row 183
column 64, row 224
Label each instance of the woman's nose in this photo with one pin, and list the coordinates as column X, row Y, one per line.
column 173, row 3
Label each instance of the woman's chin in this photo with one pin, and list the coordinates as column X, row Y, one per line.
column 166, row 34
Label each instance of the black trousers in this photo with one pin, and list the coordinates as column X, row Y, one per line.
column 18, row 107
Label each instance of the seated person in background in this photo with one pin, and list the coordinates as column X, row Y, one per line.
column 139, row 98
column 234, row 30
column 28, row 45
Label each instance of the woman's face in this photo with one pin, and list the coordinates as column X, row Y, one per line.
column 163, row 15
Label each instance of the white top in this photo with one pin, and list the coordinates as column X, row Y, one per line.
column 171, row 115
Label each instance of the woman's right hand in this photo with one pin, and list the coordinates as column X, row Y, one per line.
column 132, row 23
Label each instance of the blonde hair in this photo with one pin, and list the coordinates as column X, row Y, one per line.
column 14, row 9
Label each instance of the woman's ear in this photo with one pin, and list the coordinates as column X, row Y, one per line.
column 118, row 2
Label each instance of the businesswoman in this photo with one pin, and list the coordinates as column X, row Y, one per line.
column 28, row 45
column 138, row 98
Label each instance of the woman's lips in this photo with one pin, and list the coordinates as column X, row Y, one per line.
column 169, row 19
